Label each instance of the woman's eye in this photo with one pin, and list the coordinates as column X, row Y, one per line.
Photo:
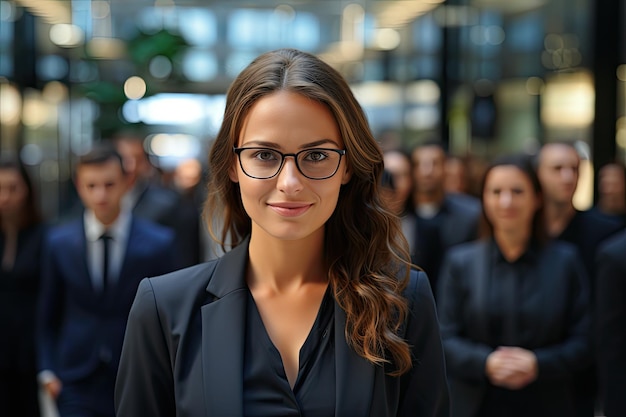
column 316, row 156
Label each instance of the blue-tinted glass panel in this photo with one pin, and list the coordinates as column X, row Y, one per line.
column 198, row 26
column 266, row 29
column 526, row 33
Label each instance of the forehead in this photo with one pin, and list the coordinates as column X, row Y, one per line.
column 509, row 174
column 285, row 117
column 99, row 172
column 558, row 154
column 428, row 153
column 10, row 175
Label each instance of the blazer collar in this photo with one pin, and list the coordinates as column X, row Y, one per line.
column 223, row 344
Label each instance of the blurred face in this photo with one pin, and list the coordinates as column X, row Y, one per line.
column 101, row 188
column 400, row 168
column 135, row 161
column 509, row 200
column 558, row 172
column 611, row 181
column 455, row 176
column 289, row 206
column 13, row 192
column 429, row 169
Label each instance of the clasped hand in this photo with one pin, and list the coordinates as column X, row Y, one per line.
column 511, row 367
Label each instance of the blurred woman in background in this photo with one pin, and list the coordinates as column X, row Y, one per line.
column 513, row 307
column 21, row 237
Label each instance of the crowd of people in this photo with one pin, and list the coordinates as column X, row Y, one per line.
column 350, row 279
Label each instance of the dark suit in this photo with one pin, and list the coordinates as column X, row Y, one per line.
column 611, row 319
column 81, row 330
column 168, row 208
column 552, row 320
column 429, row 239
column 19, row 288
column 184, row 349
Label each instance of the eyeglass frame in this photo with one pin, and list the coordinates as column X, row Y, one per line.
column 238, row 151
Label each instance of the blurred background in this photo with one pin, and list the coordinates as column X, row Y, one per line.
column 485, row 76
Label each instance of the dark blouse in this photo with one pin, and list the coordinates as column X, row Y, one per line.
column 266, row 388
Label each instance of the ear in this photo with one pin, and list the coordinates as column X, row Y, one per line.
column 232, row 172
column 347, row 174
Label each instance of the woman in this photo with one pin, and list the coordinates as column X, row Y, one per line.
column 21, row 237
column 315, row 311
column 513, row 307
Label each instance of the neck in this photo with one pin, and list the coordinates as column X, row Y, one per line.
column 281, row 265
column 512, row 243
column 10, row 224
column 433, row 197
column 557, row 217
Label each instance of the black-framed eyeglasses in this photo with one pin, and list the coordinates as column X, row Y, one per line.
column 265, row 163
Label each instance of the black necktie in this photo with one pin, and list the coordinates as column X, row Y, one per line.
column 105, row 260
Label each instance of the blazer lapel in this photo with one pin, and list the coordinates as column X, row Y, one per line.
column 223, row 343
column 355, row 375
column 481, row 275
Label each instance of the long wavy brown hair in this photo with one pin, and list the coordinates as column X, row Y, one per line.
column 365, row 249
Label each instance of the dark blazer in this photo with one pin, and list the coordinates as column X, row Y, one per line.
column 556, row 318
column 80, row 329
column 611, row 320
column 184, row 350
column 461, row 216
column 19, row 289
column 167, row 207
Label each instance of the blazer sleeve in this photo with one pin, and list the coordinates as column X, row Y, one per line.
column 574, row 352
column 425, row 386
column 611, row 319
column 465, row 358
column 49, row 310
column 145, row 383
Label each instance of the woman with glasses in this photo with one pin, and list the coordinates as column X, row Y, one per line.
column 513, row 307
column 314, row 311
column 21, row 243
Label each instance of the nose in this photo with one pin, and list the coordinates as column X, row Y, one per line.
column 289, row 177
column 426, row 167
column 505, row 199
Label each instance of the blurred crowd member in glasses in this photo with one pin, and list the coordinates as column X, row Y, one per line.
column 21, row 242
column 315, row 310
column 514, row 307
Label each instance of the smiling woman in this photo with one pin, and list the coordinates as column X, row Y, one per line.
column 316, row 310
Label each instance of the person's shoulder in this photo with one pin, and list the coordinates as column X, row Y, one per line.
column 615, row 245
column 178, row 285
column 599, row 222
column 463, row 203
column 152, row 229
column 64, row 230
column 467, row 250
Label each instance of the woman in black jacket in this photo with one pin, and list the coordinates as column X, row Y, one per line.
column 21, row 236
column 513, row 307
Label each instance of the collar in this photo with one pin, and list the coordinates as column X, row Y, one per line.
column 528, row 257
column 118, row 230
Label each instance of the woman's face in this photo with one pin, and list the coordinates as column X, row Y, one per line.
column 509, row 199
column 289, row 206
column 13, row 192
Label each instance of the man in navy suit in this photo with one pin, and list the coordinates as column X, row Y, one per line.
column 438, row 219
column 87, row 289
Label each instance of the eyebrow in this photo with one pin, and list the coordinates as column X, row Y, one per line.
column 304, row 146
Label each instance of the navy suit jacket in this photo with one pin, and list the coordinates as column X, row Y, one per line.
column 79, row 329
column 184, row 351
column 611, row 321
column 555, row 322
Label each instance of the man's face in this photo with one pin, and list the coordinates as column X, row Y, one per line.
column 135, row 160
column 101, row 188
column 428, row 169
column 558, row 172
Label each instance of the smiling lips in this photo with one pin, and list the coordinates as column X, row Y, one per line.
column 289, row 209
